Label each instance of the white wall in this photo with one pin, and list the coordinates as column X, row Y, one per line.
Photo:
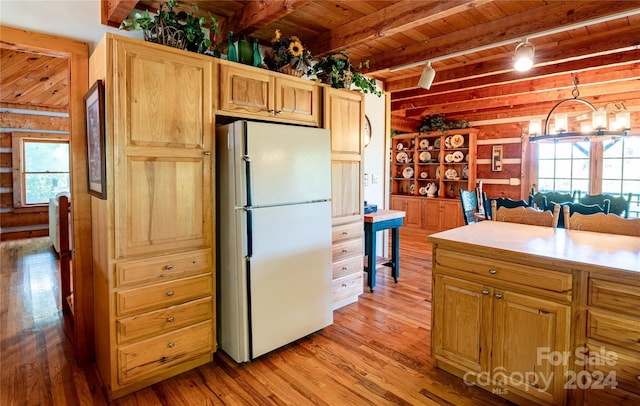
column 74, row 19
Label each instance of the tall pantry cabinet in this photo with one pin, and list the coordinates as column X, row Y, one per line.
column 153, row 254
column 344, row 116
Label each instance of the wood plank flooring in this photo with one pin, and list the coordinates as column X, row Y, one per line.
column 377, row 352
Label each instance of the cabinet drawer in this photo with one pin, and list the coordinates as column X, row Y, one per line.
column 347, row 267
column 621, row 331
column 614, row 296
column 346, row 249
column 163, row 294
column 164, row 320
column 347, row 286
column 626, row 368
column 150, row 357
column 505, row 271
column 346, row 232
column 161, row 268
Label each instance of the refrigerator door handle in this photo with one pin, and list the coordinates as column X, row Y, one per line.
column 249, row 233
column 246, row 158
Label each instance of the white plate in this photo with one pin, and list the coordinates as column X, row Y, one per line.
column 465, row 172
column 448, row 158
column 422, row 190
column 402, row 157
column 457, row 141
column 399, row 146
column 447, row 142
column 407, row 172
column 458, row 156
column 424, row 175
column 425, row 156
column 451, row 173
column 436, row 143
column 466, row 158
column 438, row 173
column 424, row 143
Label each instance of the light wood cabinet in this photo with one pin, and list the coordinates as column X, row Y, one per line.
column 432, row 214
column 249, row 92
column 487, row 329
column 412, row 206
column 344, row 115
column 153, row 243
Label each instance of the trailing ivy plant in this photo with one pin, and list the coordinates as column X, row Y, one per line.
column 337, row 71
column 436, row 122
column 194, row 28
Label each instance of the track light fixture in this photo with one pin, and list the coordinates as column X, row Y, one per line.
column 524, row 56
column 426, row 79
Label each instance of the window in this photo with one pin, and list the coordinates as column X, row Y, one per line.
column 610, row 166
column 43, row 168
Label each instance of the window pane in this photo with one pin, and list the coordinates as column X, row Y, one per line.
column 612, row 149
column 563, row 150
column 580, row 185
column 41, row 187
column 632, row 169
column 580, row 169
column 46, row 157
column 612, row 169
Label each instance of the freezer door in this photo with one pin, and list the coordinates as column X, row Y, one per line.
column 288, row 164
column 290, row 274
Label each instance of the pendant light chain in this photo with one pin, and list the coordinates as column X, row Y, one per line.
column 575, row 92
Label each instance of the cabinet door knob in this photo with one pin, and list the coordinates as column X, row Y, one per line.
column 638, row 378
column 485, row 292
column 169, row 267
column 279, row 112
column 492, row 271
column 345, row 233
column 171, row 344
column 345, row 250
column 271, row 111
column 498, row 296
column 170, row 293
column 207, row 153
column 344, row 268
column 169, row 319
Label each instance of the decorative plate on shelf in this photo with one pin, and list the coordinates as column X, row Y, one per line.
column 438, row 172
column 425, row 156
column 424, row 175
column 407, row 172
column 465, row 172
column 447, row 142
column 436, row 143
column 458, row 156
column 424, row 143
column 451, row 173
column 399, row 146
column 466, row 158
column 448, row 158
column 457, row 141
column 402, row 157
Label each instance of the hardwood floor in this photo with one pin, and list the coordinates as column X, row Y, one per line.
column 377, row 351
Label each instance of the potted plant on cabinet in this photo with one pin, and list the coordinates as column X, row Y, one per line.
column 177, row 29
column 288, row 55
column 337, row 71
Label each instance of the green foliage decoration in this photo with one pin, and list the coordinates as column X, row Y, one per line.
column 337, row 71
column 437, row 122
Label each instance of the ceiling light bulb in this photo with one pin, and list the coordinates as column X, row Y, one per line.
column 426, row 79
column 524, row 56
column 535, row 127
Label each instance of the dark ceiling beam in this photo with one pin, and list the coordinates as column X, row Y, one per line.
column 554, row 15
column 256, row 15
column 390, row 20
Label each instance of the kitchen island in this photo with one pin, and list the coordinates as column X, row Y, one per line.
column 538, row 315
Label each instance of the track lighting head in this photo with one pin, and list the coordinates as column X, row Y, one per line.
column 524, row 56
column 426, row 79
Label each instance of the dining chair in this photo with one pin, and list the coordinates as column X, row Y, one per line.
column 469, row 201
column 617, row 204
column 578, row 208
column 602, row 223
column 501, row 202
column 542, row 199
column 526, row 215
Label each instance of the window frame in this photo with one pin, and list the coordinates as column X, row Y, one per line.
column 17, row 150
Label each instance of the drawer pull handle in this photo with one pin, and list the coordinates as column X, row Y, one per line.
column 344, row 268
column 170, row 293
column 170, row 345
column 345, row 250
column 485, row 292
column 169, row 319
column 169, row 267
column 344, row 285
column 492, row 271
column 498, row 296
column 345, row 233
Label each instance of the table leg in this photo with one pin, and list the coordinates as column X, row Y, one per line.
column 370, row 249
column 395, row 253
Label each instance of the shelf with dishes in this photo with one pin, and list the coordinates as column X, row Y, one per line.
column 445, row 160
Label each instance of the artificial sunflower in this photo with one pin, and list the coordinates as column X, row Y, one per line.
column 287, row 52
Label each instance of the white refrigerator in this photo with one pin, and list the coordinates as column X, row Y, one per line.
column 274, row 235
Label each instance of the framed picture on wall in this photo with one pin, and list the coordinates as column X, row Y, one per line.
column 94, row 121
column 496, row 158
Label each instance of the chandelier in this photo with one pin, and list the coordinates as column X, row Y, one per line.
column 594, row 129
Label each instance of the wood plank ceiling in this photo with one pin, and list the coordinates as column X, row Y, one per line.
column 471, row 44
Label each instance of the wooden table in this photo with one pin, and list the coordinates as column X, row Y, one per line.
column 374, row 222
